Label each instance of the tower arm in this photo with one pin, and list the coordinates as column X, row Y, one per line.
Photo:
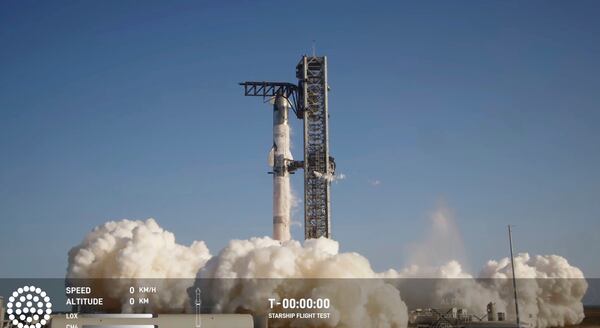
column 271, row 89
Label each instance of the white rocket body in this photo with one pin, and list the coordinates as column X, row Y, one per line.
column 279, row 158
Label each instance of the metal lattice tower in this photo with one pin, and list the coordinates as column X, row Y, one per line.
column 312, row 74
column 309, row 102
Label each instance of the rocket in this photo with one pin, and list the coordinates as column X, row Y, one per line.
column 279, row 158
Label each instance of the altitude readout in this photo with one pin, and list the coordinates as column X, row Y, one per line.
column 300, row 303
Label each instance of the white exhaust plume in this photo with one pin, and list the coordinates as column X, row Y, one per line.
column 137, row 250
column 371, row 303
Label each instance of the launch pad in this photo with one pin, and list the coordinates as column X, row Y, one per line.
column 308, row 100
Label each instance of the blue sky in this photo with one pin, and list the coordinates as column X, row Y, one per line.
column 115, row 109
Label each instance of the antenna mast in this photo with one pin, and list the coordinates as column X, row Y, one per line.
column 512, row 263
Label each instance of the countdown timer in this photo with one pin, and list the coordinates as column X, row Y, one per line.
column 300, row 303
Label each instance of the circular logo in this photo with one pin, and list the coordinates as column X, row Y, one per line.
column 29, row 307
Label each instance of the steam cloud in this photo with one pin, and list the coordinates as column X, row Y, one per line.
column 137, row 250
column 330, row 177
column 370, row 304
column 550, row 289
column 142, row 249
column 441, row 244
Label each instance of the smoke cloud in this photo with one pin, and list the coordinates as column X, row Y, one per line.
column 441, row 244
column 123, row 250
column 370, row 304
column 550, row 289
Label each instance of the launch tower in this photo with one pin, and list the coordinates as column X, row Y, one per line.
column 308, row 100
